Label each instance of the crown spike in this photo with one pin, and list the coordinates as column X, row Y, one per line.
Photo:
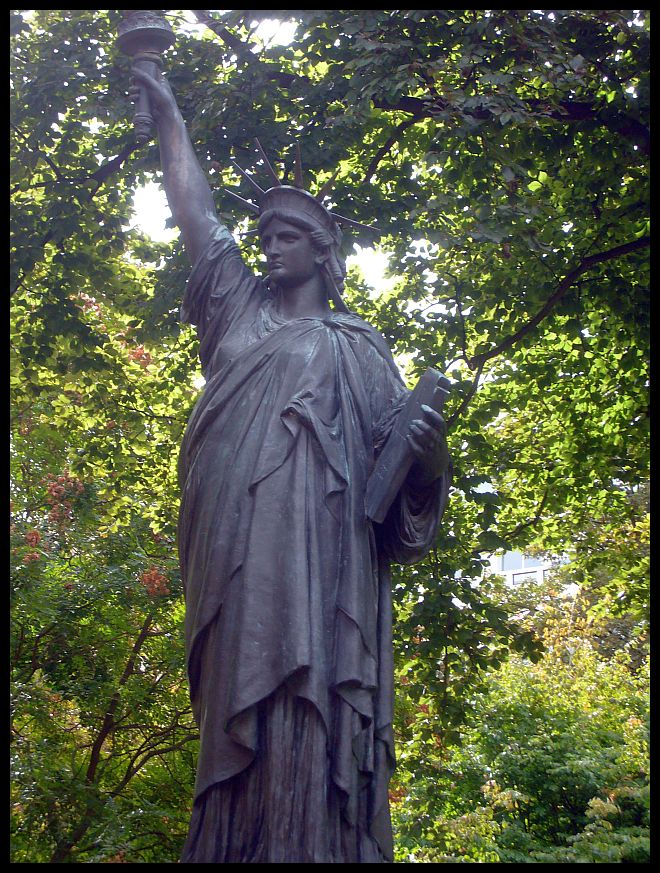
column 247, row 176
column 349, row 221
column 270, row 170
column 327, row 186
column 248, row 203
column 298, row 180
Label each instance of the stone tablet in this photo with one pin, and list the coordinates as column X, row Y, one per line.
column 396, row 457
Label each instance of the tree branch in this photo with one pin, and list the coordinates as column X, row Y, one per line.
column 387, row 145
column 468, row 397
column 34, row 663
column 99, row 176
column 64, row 846
column 108, row 719
column 584, row 265
column 234, row 43
column 567, row 112
column 137, row 763
column 108, row 169
column 242, row 50
column 459, row 307
column 532, row 521
column 47, row 159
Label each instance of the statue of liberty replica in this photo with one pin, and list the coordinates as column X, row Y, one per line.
column 286, row 576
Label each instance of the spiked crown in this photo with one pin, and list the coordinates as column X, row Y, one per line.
column 294, row 199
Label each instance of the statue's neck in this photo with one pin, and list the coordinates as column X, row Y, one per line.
column 307, row 300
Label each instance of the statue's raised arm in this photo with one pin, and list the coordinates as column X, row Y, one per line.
column 188, row 192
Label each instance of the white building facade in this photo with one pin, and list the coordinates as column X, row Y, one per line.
column 517, row 567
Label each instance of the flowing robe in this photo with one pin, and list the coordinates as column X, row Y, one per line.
column 286, row 581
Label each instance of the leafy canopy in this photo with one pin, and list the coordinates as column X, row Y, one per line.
column 504, row 156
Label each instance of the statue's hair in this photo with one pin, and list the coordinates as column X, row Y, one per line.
column 324, row 240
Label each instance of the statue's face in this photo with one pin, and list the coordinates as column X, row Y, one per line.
column 291, row 257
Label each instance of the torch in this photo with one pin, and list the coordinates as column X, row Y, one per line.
column 144, row 34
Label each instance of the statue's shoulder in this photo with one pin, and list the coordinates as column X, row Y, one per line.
column 366, row 334
column 351, row 319
column 220, row 281
column 220, row 243
column 222, row 261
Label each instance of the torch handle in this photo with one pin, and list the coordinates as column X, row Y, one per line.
column 143, row 121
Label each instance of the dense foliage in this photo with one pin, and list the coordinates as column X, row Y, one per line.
column 503, row 156
column 553, row 762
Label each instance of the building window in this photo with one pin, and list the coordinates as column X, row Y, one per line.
column 519, row 578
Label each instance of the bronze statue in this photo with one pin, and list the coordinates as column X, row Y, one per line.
column 287, row 582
